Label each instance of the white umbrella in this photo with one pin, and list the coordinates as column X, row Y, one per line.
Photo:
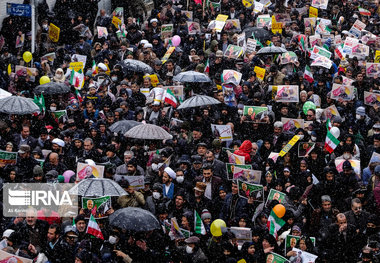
column 18, row 105
column 191, row 76
column 97, row 187
column 197, row 101
column 148, row 132
column 4, row 94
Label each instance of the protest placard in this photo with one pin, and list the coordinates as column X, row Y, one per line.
column 372, row 69
column 260, row 72
column 289, row 145
column 276, row 195
column 319, row 51
column 193, row 28
column 234, row 158
column 166, row 31
column 273, row 257
column 310, row 22
column 220, row 21
column 176, row 90
column 167, row 54
column 329, row 113
column 357, row 28
column 97, row 207
column 233, row 52
column 254, row 113
column 11, row 258
column 289, row 57
column 188, row 14
column 377, row 56
column 287, row 93
column 231, row 76
column 232, row 25
column 54, row 32
column 8, row 158
column 85, row 171
column 321, row 4
column 247, row 175
column 222, row 132
column 264, row 21
column 247, row 190
column 313, row 12
column 304, row 148
column 258, row 7
column 291, row 242
column 273, row 156
column 242, row 234
column 137, row 182
column 304, row 256
column 230, row 167
column 342, row 92
column 251, row 46
column 371, row 98
column 322, row 61
column 292, row 124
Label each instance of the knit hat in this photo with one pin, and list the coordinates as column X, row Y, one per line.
column 170, row 172
column 360, row 111
column 37, row 170
column 205, row 214
column 158, row 187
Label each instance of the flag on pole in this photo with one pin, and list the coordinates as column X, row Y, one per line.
column 331, row 142
column 77, row 93
column 93, row 228
column 308, row 75
column 77, row 78
column 94, row 68
column 170, row 98
column 364, row 12
column 274, row 224
column 199, row 227
column 40, row 101
column 207, row 67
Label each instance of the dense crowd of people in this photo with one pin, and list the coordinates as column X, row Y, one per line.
column 331, row 198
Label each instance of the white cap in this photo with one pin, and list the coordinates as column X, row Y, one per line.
column 59, row 142
column 102, row 66
column 170, row 172
column 8, row 232
column 144, row 41
column 148, row 45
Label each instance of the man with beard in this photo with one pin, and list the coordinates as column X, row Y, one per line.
column 323, row 217
column 356, row 216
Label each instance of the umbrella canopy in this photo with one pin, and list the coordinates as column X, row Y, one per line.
column 271, row 50
column 18, row 105
column 123, row 126
column 198, row 100
column 148, row 132
column 97, row 187
column 136, row 66
column 52, row 88
column 260, row 33
column 133, row 218
column 191, row 76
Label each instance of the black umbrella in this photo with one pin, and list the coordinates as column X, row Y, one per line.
column 123, row 126
column 52, row 88
column 135, row 66
column 259, row 33
column 133, row 218
column 18, row 105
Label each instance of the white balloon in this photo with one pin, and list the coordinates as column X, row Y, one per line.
column 335, row 131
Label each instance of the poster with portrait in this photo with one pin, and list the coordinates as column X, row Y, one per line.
column 349, row 43
column 97, row 207
column 275, row 258
column 282, row 17
column 372, row 69
column 289, row 57
column 291, row 125
column 287, row 93
column 319, row 51
column 233, row 52
column 371, row 98
column 176, row 90
column 193, row 28
column 329, row 113
column 25, row 71
column 222, row 132
column 232, row 25
column 247, row 175
column 310, row 22
column 304, row 148
column 357, row 28
column 166, row 31
column 254, row 113
column 11, row 258
column 137, row 182
column 276, row 195
column 291, row 242
column 188, row 14
column 230, row 168
column 321, row 4
column 360, row 51
column 354, row 163
column 229, row 94
column 343, row 92
column 315, row 40
column 264, row 21
column 304, row 256
column 322, row 61
column 242, row 234
column 85, row 171
column 246, row 190
column 102, row 32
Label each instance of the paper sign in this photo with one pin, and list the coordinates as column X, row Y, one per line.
column 321, row 4
column 248, row 3
column 233, row 52
column 232, row 25
column 287, row 93
column 371, row 98
column 322, row 61
column 264, row 21
column 260, row 72
column 193, row 28
column 222, row 132
column 98, row 207
column 247, row 175
column 276, row 195
column 247, row 190
column 304, row 148
column 273, row 156
column 357, row 28
column 76, row 66
column 85, row 171
column 377, row 56
column 102, row 32
column 313, row 12
column 242, row 234
column 54, row 32
column 251, row 46
column 319, row 51
column 231, row 76
column 291, row 242
column 166, row 30
column 167, row 55
column 304, row 256
column 188, row 14
column 116, row 21
column 289, row 57
column 273, row 257
column 342, row 92
column 8, row 157
column 329, row 113
column 137, row 182
column 220, row 21
column 292, row 124
column 10, row 258
column 372, row 69
column 234, row 158
column 309, row 22
column 289, row 145
column 230, row 167
column 254, row 113
column 258, row 7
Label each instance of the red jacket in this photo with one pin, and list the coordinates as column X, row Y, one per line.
column 244, row 150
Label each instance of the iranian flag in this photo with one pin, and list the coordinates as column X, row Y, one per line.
column 170, row 98
column 80, row 99
column 77, row 78
column 199, row 227
column 308, row 75
column 93, row 228
column 339, row 52
column 302, row 42
column 207, row 68
column 364, row 12
column 94, row 68
column 331, row 141
column 274, row 224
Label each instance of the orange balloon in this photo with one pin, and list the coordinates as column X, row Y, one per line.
column 279, row 210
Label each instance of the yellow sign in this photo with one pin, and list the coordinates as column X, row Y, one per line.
column 154, row 80
column 247, row 3
column 219, row 87
column 377, row 56
column 116, row 21
column 54, row 32
column 76, row 66
column 260, row 72
column 222, row 18
column 276, row 27
column 313, row 12
column 167, row 55
column 289, row 146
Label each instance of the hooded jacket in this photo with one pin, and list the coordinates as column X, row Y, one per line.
column 244, row 150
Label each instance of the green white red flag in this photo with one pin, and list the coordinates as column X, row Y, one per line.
column 93, row 228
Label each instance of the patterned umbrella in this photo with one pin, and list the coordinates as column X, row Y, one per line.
column 97, row 187
column 18, row 105
column 133, row 218
column 123, row 126
column 198, row 100
column 148, row 132
column 191, row 76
